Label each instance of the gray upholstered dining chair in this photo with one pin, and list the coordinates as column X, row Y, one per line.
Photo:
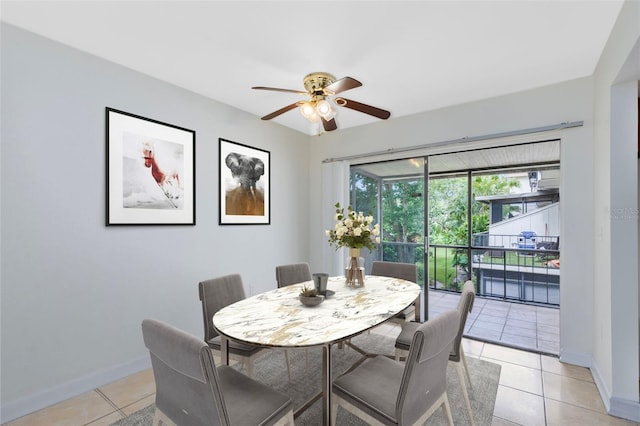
column 456, row 357
column 191, row 390
column 382, row 391
column 215, row 294
column 292, row 274
column 404, row 271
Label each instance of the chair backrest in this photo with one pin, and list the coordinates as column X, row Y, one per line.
column 187, row 389
column 215, row 294
column 425, row 372
column 404, row 271
column 292, row 274
column 465, row 305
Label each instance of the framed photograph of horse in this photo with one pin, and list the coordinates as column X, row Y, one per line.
column 150, row 171
column 245, row 184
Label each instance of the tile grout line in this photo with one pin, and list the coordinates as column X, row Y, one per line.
column 569, row 377
column 578, row 406
column 544, row 398
column 506, row 320
column 99, row 392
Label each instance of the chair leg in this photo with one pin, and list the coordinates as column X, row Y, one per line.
column 401, row 353
column 287, row 420
column 447, row 409
column 290, row 420
column 466, row 367
column 334, row 410
column 161, row 419
column 286, row 360
column 249, row 365
column 464, row 391
column 157, row 421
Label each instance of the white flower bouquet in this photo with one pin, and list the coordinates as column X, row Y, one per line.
column 353, row 230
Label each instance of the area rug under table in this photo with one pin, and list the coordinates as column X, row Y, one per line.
column 305, row 382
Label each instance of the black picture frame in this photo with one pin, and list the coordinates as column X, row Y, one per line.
column 245, row 184
column 150, row 171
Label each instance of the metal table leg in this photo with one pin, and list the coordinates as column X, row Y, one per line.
column 326, row 385
column 224, row 350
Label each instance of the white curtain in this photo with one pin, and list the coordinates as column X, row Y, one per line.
column 335, row 189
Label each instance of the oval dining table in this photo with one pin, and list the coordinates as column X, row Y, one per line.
column 277, row 319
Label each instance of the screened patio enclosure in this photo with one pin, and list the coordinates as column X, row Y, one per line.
column 490, row 215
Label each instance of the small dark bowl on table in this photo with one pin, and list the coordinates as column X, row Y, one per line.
column 311, row 300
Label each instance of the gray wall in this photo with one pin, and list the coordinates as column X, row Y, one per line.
column 74, row 291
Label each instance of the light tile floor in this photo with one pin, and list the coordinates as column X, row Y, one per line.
column 534, row 389
column 534, row 328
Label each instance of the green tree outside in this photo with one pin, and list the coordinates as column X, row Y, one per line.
column 403, row 218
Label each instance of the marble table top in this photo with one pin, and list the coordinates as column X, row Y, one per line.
column 278, row 319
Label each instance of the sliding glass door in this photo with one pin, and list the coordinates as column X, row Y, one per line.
column 491, row 216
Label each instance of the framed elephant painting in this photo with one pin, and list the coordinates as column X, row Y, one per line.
column 150, row 171
column 245, row 184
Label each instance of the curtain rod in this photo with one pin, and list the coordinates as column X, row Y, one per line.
column 564, row 125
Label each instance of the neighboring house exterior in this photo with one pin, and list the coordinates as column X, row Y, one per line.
column 544, row 222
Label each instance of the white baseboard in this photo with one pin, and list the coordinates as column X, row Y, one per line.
column 29, row 404
column 605, row 392
column 619, row 407
column 625, row 408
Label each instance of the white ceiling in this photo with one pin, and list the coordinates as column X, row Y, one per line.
column 410, row 56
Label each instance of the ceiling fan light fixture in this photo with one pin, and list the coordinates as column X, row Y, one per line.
column 308, row 110
column 324, row 108
column 321, row 107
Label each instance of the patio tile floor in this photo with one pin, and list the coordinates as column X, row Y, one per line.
column 528, row 327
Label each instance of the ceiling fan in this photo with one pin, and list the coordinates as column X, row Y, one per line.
column 321, row 87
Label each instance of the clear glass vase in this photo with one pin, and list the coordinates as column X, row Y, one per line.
column 354, row 271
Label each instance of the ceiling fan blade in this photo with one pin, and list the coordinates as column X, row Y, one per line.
column 341, row 85
column 367, row 109
column 280, row 111
column 329, row 125
column 275, row 89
